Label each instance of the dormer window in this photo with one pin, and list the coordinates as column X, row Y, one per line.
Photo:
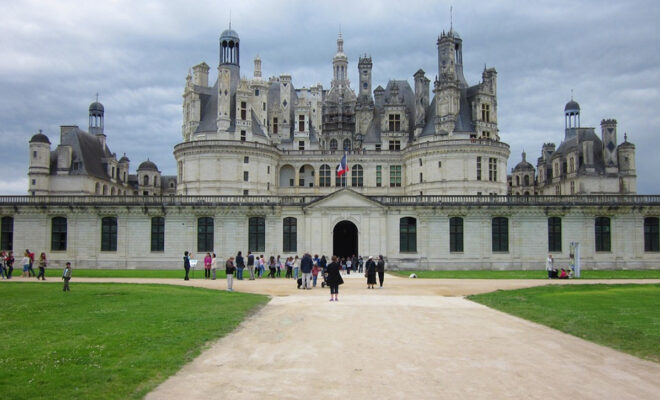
column 243, row 110
column 485, row 112
column 394, row 122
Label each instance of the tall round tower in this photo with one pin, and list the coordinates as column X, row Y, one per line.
column 39, row 166
column 229, row 73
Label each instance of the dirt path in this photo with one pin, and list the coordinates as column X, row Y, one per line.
column 382, row 344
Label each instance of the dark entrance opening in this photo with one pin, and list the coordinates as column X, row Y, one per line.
column 345, row 239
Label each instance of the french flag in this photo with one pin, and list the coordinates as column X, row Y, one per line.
column 343, row 166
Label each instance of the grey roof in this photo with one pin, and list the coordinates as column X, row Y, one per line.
column 209, row 109
column 256, row 125
column 148, row 166
column 96, row 106
column 572, row 106
column 40, row 138
column 87, row 149
column 229, row 34
column 464, row 121
column 124, row 159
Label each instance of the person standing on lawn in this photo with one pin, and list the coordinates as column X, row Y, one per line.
column 9, row 262
column 334, row 278
column 380, row 268
column 3, row 270
column 31, row 263
column 240, row 266
column 214, row 266
column 42, row 266
column 25, row 262
column 186, row 264
column 549, row 266
column 66, row 277
column 229, row 270
column 207, row 265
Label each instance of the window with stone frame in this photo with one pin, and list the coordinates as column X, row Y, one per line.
column 290, row 235
column 395, row 176
column 58, row 234
column 456, row 234
column 492, row 169
column 408, row 235
column 109, row 234
column 651, row 242
column 243, row 136
column 485, row 112
column 157, row 234
column 395, row 145
column 602, row 234
column 275, row 125
column 500, row 234
column 205, row 234
column 324, row 176
column 301, row 145
column 379, row 176
column 478, row 168
column 554, row 234
column 333, row 144
column 246, row 176
column 243, row 111
column 301, row 123
column 357, row 176
column 394, row 122
column 256, row 234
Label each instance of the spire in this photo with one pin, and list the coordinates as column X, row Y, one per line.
column 524, row 155
column 451, row 18
column 340, row 43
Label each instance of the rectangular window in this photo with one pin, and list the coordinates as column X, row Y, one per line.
column 378, row 147
column 34, row 154
column 243, row 136
column 256, row 92
column 651, row 234
column 157, row 234
column 205, row 234
column 602, row 230
column 247, row 192
column 395, row 145
column 301, row 145
column 356, row 176
column 324, row 176
column 554, row 234
column 246, row 176
column 379, row 176
column 439, row 164
column 492, row 169
column 485, row 112
column 408, row 235
column 109, row 234
column 421, row 177
column 34, row 181
column 7, row 233
column 456, row 234
column 420, row 162
column 290, row 235
column 58, row 234
column 478, row 168
column 394, row 122
column 246, row 160
column 395, row 176
column 275, row 125
column 256, row 234
column 301, row 123
column 243, row 111
column 263, row 106
column 500, row 232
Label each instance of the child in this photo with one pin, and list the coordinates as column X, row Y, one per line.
column 66, row 276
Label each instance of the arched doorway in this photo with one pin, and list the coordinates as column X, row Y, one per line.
column 345, row 239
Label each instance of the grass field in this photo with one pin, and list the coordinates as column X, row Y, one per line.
column 519, row 274
column 624, row 317
column 106, row 341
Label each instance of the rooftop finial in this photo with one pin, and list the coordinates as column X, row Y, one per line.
column 451, row 17
column 571, row 94
column 230, row 18
column 625, row 136
column 97, row 97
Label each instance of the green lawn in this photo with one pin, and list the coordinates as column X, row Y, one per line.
column 539, row 274
column 106, row 341
column 624, row 317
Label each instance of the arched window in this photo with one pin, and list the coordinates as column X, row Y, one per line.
column 256, row 234
column 572, row 164
column 58, row 234
column 517, row 181
column 205, row 234
column 357, row 176
column 105, row 190
column 526, row 180
column 554, row 234
column 146, row 180
column 290, row 235
column 500, row 232
column 97, row 188
column 602, row 230
column 113, row 191
column 7, row 233
column 340, row 181
column 346, row 145
column 157, row 234
column 333, row 144
column 456, row 234
column 408, row 235
column 324, row 176
column 651, row 234
column 109, row 234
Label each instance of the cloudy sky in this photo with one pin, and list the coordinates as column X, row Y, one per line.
column 56, row 55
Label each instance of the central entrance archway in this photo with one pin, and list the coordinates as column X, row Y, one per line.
column 345, row 239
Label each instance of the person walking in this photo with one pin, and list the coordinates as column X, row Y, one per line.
column 333, row 278
column 250, row 264
column 229, row 270
column 240, row 266
column 271, row 267
column 66, row 277
column 380, row 269
column 549, row 266
column 289, row 267
column 208, row 260
column 31, row 263
column 370, row 272
column 306, row 265
column 186, row 264
column 9, row 262
column 262, row 266
column 25, row 262
column 279, row 266
column 360, row 265
column 296, row 267
column 214, row 266
column 42, row 266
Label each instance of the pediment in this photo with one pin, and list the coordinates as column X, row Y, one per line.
column 344, row 199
